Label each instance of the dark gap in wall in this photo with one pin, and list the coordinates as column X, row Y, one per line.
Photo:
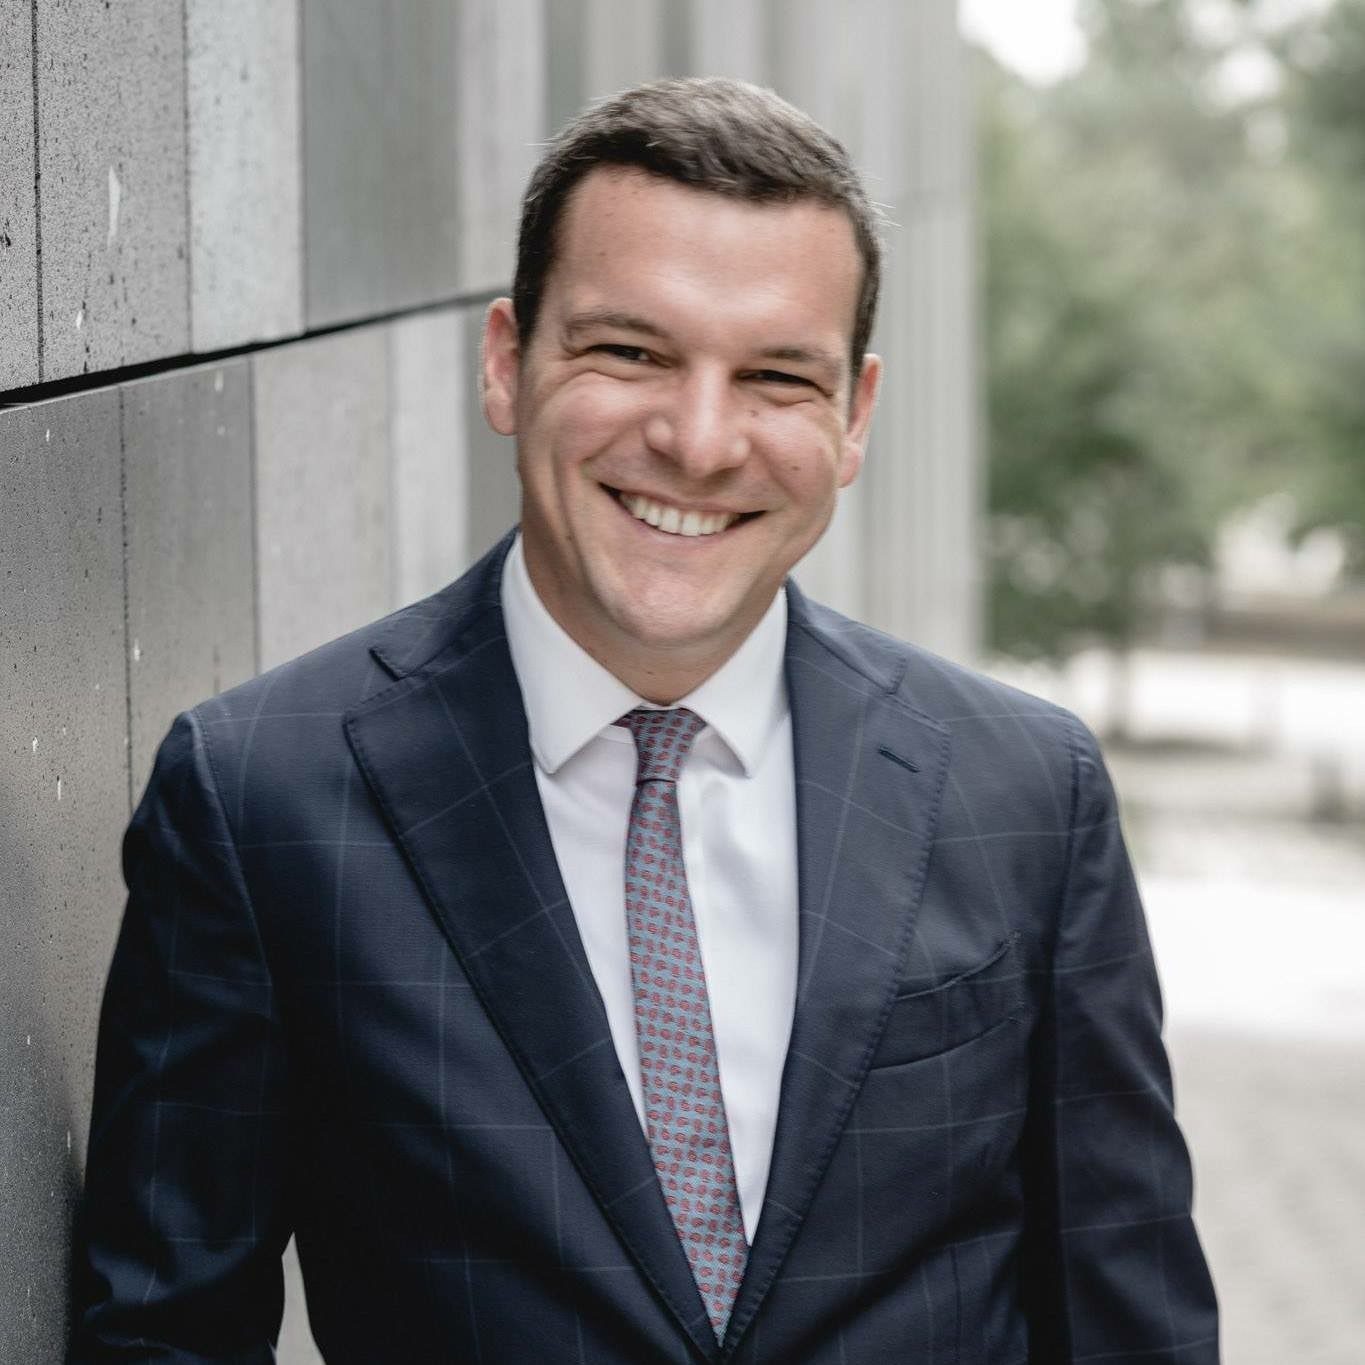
column 127, row 614
column 251, row 509
column 123, row 374
column 301, row 20
column 37, row 188
column 185, row 124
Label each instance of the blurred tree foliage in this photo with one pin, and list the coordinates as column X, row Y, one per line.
column 1325, row 99
column 1175, row 303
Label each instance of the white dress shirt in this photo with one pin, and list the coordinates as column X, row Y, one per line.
column 737, row 801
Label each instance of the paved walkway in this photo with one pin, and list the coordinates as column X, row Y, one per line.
column 1258, row 918
column 1277, row 1130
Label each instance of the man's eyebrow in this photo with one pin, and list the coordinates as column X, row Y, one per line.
column 609, row 317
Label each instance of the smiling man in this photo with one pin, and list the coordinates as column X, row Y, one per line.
column 617, row 957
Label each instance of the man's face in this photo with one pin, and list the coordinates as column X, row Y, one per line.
column 684, row 414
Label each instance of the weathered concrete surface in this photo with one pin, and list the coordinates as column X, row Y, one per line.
column 111, row 145
column 491, row 460
column 501, row 124
column 18, row 221
column 380, row 112
column 429, row 488
column 63, row 805
column 191, row 580
column 597, row 47
column 923, row 484
column 245, row 172
column 728, row 38
column 320, row 415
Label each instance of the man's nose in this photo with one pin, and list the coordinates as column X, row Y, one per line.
column 701, row 425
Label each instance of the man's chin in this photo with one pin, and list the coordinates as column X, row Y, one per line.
column 678, row 626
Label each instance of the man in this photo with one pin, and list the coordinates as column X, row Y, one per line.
column 617, row 957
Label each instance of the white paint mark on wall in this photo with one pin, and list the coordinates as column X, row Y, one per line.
column 80, row 318
column 137, row 652
column 115, row 203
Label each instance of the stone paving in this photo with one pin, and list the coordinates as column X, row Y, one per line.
column 1277, row 1131
column 1258, row 918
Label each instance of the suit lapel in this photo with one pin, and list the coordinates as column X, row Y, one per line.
column 446, row 753
column 869, row 779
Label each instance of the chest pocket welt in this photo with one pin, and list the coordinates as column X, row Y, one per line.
column 928, row 1022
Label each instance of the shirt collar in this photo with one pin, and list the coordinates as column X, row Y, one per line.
column 570, row 697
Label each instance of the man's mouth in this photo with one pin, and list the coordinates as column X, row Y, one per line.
column 676, row 521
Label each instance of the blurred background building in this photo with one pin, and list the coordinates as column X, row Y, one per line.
column 244, row 252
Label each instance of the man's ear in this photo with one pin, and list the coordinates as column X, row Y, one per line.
column 863, row 400
column 500, row 358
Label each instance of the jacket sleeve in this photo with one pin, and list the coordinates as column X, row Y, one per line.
column 1113, row 1269
column 183, row 1221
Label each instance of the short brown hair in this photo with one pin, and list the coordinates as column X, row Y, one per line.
column 712, row 133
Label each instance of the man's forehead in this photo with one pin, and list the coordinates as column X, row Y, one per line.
column 619, row 218
column 609, row 185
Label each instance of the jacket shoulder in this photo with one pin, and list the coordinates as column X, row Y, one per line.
column 942, row 690
column 345, row 671
column 1002, row 740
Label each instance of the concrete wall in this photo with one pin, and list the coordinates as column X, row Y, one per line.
column 244, row 254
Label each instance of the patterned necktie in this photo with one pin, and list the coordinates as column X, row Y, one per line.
column 684, row 1110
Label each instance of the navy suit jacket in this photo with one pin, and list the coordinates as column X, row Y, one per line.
column 349, row 1000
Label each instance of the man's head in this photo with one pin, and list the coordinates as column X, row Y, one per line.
column 683, row 371
column 710, row 133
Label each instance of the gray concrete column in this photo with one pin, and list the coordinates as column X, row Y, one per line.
column 729, row 38
column 597, row 47
column 381, row 183
column 245, row 177
column 321, row 430
column 112, row 209
column 501, row 125
column 188, row 547
column 18, row 219
column 923, row 482
column 429, row 482
column 63, row 805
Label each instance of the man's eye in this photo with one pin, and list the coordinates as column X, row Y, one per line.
column 781, row 377
column 621, row 352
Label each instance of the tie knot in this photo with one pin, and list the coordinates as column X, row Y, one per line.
column 662, row 739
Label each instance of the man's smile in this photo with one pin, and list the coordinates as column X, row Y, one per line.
column 675, row 520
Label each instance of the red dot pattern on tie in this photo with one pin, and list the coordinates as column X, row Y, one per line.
column 684, row 1110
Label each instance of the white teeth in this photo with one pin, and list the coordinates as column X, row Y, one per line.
column 673, row 519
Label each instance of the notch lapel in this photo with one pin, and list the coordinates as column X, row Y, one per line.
column 870, row 772
column 446, row 753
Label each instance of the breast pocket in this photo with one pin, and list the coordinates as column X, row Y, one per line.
column 955, row 1012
